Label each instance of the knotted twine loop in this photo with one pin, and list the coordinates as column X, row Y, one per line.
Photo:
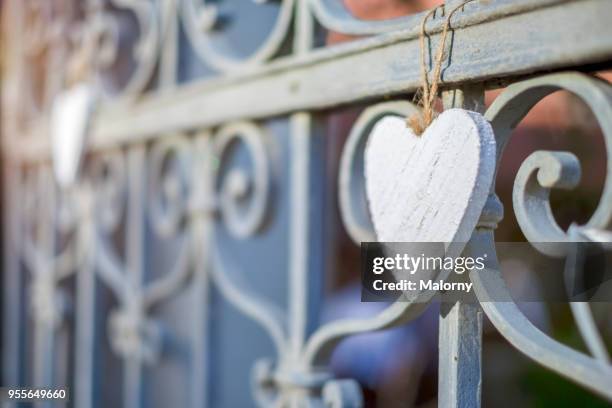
column 428, row 93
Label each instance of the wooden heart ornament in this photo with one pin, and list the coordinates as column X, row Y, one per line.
column 429, row 188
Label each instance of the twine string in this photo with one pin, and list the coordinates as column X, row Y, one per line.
column 428, row 92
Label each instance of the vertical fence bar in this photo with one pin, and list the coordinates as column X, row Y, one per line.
column 306, row 246
column 200, row 340
column 135, row 260
column 85, row 312
column 201, row 235
column 168, row 65
column 85, row 331
column 13, row 324
column 13, row 318
column 307, row 169
column 306, row 255
column 460, row 337
column 460, row 354
column 44, row 331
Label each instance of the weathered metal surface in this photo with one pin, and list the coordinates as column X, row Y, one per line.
column 192, row 243
column 460, row 330
column 538, row 174
column 381, row 66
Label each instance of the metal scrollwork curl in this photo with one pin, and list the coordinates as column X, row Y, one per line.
column 356, row 220
column 48, row 262
column 145, row 48
column 200, row 18
column 114, row 45
column 241, row 198
column 239, row 188
column 169, row 181
column 540, row 172
column 333, row 15
column 551, row 169
column 108, row 175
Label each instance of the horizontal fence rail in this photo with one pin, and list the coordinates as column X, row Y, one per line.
column 501, row 41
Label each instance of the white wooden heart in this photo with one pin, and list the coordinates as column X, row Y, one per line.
column 430, row 188
column 70, row 119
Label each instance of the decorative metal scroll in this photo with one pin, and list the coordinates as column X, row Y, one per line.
column 540, row 172
column 123, row 42
column 186, row 193
column 184, row 189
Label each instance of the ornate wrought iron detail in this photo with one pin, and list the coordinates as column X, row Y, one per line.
column 540, row 172
column 201, row 19
column 185, row 187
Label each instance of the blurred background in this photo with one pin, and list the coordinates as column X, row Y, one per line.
column 203, row 347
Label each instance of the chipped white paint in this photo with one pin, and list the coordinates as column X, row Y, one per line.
column 70, row 119
column 433, row 187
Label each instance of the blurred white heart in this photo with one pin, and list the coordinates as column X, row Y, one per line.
column 70, row 120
